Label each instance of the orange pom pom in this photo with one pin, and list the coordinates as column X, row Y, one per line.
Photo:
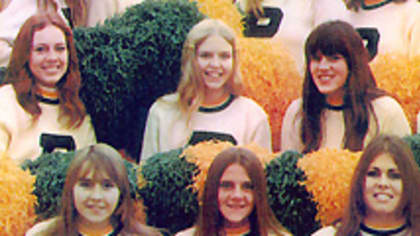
column 17, row 200
column 329, row 173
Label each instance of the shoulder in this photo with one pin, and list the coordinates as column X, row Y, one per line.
column 7, row 96
column 248, row 104
column 41, row 227
column 386, row 102
column 165, row 104
column 325, row 231
column 7, row 90
column 294, row 106
column 187, row 232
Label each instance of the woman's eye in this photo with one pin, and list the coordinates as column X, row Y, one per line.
column 205, row 55
column 225, row 56
column 248, row 186
column 373, row 173
column 60, row 48
column 39, row 49
column 85, row 184
column 108, row 184
column 335, row 57
column 225, row 184
column 394, row 175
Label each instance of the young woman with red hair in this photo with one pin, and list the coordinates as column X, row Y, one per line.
column 41, row 94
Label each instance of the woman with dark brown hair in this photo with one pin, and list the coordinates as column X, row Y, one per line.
column 384, row 192
column 96, row 198
column 341, row 105
column 41, row 95
column 235, row 198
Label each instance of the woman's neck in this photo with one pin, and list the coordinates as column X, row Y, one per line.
column 47, row 92
column 214, row 98
column 237, row 228
column 384, row 222
column 89, row 228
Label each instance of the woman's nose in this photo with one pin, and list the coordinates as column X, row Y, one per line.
column 96, row 192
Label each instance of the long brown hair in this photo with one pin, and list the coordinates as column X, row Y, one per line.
column 20, row 75
column 99, row 158
column 331, row 38
column 409, row 205
column 78, row 12
column 262, row 219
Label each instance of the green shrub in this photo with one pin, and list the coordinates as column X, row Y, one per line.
column 290, row 201
column 414, row 143
column 129, row 62
column 169, row 202
column 50, row 170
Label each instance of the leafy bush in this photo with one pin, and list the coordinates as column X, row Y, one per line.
column 129, row 62
column 50, row 170
column 414, row 143
column 166, row 194
column 290, row 201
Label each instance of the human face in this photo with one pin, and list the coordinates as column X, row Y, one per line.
column 235, row 196
column 215, row 62
column 95, row 198
column 48, row 60
column 383, row 187
column 329, row 74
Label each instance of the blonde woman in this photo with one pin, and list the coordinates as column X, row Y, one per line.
column 207, row 104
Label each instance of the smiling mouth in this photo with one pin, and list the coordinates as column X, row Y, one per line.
column 383, row 196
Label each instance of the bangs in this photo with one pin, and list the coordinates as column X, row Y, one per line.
column 327, row 40
column 100, row 168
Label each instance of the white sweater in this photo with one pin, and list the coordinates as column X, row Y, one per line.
column 167, row 129
column 390, row 115
column 19, row 136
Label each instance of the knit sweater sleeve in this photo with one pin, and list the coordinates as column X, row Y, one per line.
column 290, row 139
column 391, row 117
column 151, row 133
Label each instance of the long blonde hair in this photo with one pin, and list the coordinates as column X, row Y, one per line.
column 191, row 87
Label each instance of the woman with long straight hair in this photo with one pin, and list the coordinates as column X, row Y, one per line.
column 384, row 192
column 235, row 198
column 40, row 97
column 341, row 105
column 96, row 198
column 207, row 104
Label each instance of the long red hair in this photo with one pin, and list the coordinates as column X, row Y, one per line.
column 20, row 76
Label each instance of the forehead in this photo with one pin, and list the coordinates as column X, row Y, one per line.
column 215, row 43
column 235, row 172
column 50, row 34
column 87, row 171
column 383, row 161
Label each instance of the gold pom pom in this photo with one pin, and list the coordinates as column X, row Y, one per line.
column 329, row 173
column 203, row 154
column 17, row 200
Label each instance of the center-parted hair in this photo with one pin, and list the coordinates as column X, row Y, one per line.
column 101, row 159
column 262, row 219
column 191, row 86
column 23, row 81
column 332, row 38
column 409, row 206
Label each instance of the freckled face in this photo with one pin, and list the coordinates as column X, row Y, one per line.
column 235, row 196
column 95, row 199
column 383, row 186
column 48, row 60
column 215, row 61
